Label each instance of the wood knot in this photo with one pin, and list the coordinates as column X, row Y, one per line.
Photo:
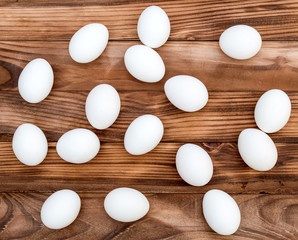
column 9, row 75
column 213, row 147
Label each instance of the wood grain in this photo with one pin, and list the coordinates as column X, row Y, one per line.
column 190, row 20
column 171, row 216
column 42, row 28
column 223, row 118
column 275, row 66
column 151, row 173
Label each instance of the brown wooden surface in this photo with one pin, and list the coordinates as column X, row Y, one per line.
column 39, row 28
column 223, row 118
column 171, row 216
column 275, row 66
column 153, row 172
column 190, row 20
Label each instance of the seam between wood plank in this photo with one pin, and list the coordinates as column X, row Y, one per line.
column 137, row 40
column 160, row 193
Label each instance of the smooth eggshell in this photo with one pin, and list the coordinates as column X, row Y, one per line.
column 36, row 81
column 187, row 93
column 221, row 212
column 194, row 164
column 126, row 204
column 240, row 42
column 78, row 145
column 257, row 149
column 29, row 144
column 102, row 106
column 60, row 209
column 154, row 27
column 144, row 63
column 273, row 111
column 88, row 42
column 143, row 134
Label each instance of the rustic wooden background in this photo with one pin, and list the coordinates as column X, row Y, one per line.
column 268, row 201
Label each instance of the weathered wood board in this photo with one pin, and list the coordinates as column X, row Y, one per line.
column 38, row 28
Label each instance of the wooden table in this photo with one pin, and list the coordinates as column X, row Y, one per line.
column 268, row 200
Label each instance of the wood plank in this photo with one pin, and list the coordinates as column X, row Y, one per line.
column 152, row 172
column 191, row 20
column 171, row 216
column 221, row 120
column 42, row 28
column 275, row 66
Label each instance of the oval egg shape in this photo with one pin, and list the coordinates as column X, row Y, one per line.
column 194, row 165
column 144, row 63
column 126, row 204
column 154, row 27
column 143, row 134
column 273, row 111
column 240, row 42
column 257, row 149
column 102, row 106
column 78, row 146
column 88, row 42
column 60, row 209
column 187, row 93
column 221, row 212
column 36, row 81
column 29, row 144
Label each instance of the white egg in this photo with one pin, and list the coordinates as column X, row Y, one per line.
column 88, row 42
column 78, row 145
column 257, row 149
column 102, row 106
column 126, row 204
column 187, row 93
column 36, row 81
column 273, row 111
column 144, row 63
column 240, row 42
column 221, row 212
column 194, row 164
column 143, row 134
column 29, row 144
column 60, row 209
column 154, row 27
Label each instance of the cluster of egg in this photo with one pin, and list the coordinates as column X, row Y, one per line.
column 102, row 107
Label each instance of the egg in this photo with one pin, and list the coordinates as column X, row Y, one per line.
column 194, row 164
column 60, row 209
column 273, row 111
column 36, row 81
column 143, row 134
column 187, row 93
column 78, row 146
column 126, row 204
column 257, row 149
column 88, row 42
column 221, row 212
column 154, row 27
column 144, row 63
column 29, row 144
column 102, row 106
column 240, row 42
